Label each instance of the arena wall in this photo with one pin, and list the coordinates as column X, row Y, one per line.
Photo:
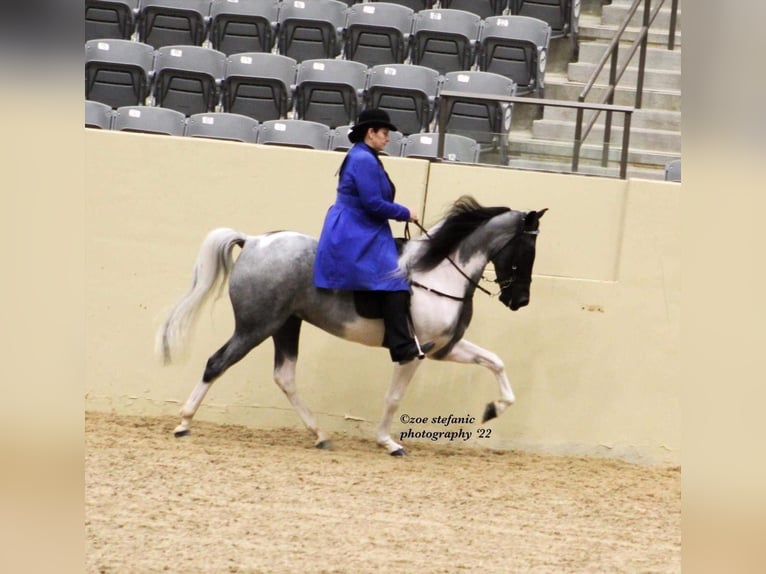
column 593, row 359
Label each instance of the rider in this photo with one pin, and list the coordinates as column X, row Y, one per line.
column 356, row 249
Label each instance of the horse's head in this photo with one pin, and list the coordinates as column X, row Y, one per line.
column 514, row 261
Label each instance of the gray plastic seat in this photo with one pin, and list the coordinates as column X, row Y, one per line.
column 414, row 5
column 233, row 127
column 516, row 47
column 118, row 72
column 426, row 146
column 295, row 133
column 188, row 78
column 562, row 15
column 173, row 22
column 486, row 121
column 673, row 170
column 329, row 91
column 259, row 85
column 407, row 92
column 378, row 33
column 98, row 115
column 339, row 141
column 444, row 39
column 311, row 29
column 110, row 19
column 149, row 119
column 238, row 26
column 482, row 8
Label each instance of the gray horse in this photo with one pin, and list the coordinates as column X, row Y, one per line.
column 272, row 292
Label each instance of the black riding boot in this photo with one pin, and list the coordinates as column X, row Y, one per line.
column 398, row 338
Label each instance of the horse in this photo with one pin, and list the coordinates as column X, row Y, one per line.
column 272, row 293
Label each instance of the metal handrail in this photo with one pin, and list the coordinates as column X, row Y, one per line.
column 447, row 95
column 615, row 75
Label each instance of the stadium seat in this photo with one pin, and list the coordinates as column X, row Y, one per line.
column 339, row 141
column 222, row 126
column 378, row 33
column 516, row 47
column 173, row 22
column 414, row 5
column 444, row 39
column 149, row 119
column 426, row 146
column 259, row 85
column 311, row 29
column 329, row 91
column 295, row 133
column 562, row 15
column 187, row 78
column 673, row 170
column 482, row 8
column 118, row 72
column 238, row 26
column 98, row 115
column 407, row 92
column 110, row 19
column 488, row 122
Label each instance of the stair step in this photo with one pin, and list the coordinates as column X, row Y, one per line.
column 614, row 14
column 523, row 146
column 658, row 79
column 591, row 28
column 656, row 58
column 587, row 168
column 642, row 119
column 660, row 140
column 559, row 87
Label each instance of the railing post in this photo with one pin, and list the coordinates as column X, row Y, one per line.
column 625, row 145
column 642, row 53
column 610, row 101
column 672, row 32
column 577, row 141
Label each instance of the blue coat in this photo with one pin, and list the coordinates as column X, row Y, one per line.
column 356, row 249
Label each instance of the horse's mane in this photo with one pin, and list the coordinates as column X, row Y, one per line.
column 464, row 217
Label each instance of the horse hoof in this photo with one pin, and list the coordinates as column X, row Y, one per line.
column 324, row 444
column 180, row 433
column 399, row 452
column 489, row 413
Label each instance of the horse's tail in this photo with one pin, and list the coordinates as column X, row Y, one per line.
column 211, row 270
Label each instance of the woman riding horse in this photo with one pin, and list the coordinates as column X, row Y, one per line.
column 356, row 250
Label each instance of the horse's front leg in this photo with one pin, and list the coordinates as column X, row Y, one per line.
column 467, row 352
column 402, row 376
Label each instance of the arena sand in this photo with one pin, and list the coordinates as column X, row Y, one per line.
column 230, row 499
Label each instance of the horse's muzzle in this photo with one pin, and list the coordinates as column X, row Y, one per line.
column 514, row 301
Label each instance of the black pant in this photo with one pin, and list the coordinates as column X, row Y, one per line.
column 398, row 337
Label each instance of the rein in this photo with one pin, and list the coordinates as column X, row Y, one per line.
column 455, row 265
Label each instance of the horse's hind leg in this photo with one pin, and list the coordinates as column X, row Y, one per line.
column 285, row 359
column 232, row 351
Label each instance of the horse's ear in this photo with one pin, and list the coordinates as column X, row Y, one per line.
column 541, row 212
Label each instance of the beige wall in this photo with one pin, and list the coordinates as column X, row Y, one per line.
column 593, row 358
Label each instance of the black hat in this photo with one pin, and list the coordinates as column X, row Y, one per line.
column 371, row 118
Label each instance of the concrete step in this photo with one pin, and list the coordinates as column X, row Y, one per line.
column 591, row 28
column 522, row 145
column 588, row 168
column 614, row 14
column 642, row 119
column 656, row 79
column 659, row 140
column 656, row 58
column 559, row 87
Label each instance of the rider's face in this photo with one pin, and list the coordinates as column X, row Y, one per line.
column 377, row 139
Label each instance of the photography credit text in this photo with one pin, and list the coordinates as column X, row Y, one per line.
column 448, row 433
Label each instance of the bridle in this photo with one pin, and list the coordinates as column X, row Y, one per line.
column 502, row 284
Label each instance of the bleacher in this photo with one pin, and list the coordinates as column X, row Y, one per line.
column 238, row 64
